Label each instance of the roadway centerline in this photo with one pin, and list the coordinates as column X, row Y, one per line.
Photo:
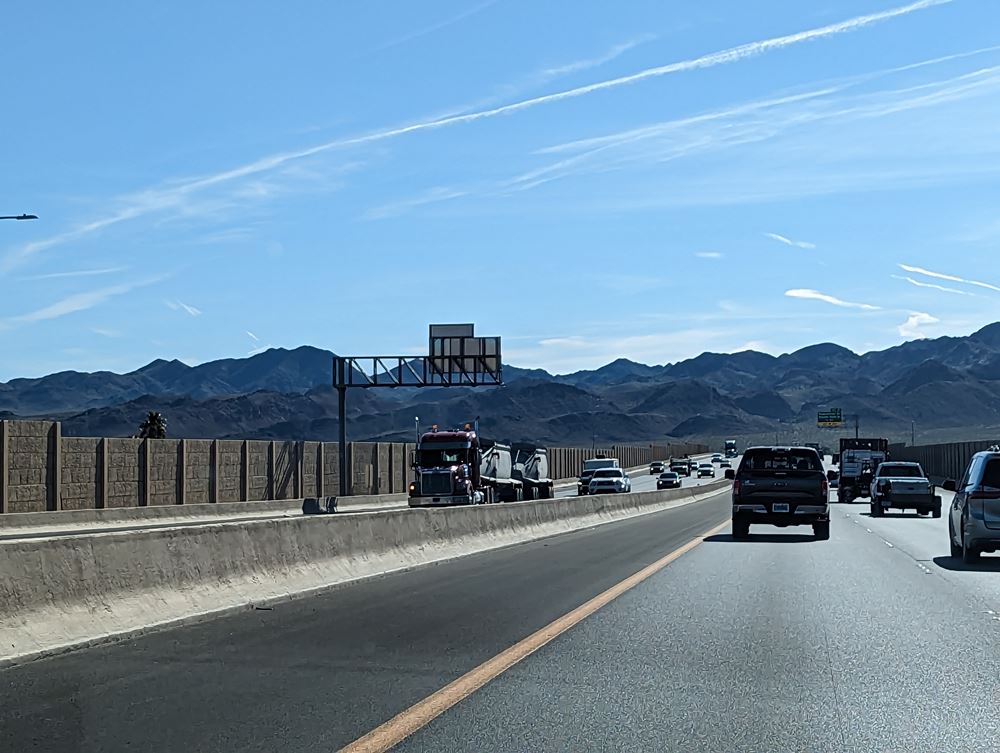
column 404, row 724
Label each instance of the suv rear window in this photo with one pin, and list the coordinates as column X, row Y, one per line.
column 991, row 473
column 781, row 460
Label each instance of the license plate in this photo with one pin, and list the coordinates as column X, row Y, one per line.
column 780, row 507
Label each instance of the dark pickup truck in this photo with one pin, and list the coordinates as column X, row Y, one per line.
column 780, row 486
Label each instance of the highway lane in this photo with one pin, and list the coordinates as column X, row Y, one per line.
column 316, row 673
column 779, row 643
column 644, row 481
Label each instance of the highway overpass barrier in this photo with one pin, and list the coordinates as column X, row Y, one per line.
column 68, row 591
column 43, row 471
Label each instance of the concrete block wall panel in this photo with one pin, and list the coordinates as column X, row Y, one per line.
column 124, row 472
column 197, row 471
column 164, row 471
column 383, row 479
column 285, row 459
column 258, row 453
column 310, row 480
column 363, row 472
column 29, row 458
column 229, row 467
column 331, row 468
column 79, row 487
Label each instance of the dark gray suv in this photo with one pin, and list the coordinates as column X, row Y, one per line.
column 974, row 518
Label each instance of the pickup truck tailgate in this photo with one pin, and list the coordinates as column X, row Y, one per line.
column 760, row 487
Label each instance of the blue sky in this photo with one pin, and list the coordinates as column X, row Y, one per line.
column 588, row 180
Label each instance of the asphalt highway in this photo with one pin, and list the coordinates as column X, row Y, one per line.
column 644, row 481
column 875, row 640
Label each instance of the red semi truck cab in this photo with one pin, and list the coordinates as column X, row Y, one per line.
column 446, row 469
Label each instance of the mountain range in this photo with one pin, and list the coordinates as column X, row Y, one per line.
column 949, row 387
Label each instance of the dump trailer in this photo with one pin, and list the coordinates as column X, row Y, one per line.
column 531, row 468
column 859, row 459
column 457, row 468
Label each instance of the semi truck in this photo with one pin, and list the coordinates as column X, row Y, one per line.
column 731, row 448
column 457, row 467
column 859, row 459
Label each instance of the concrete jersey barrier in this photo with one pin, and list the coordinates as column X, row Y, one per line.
column 59, row 593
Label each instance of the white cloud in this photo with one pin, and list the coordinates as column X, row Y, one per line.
column 77, row 273
column 105, row 332
column 789, row 241
column 815, row 295
column 911, row 327
column 181, row 306
column 582, row 65
column 395, row 208
column 252, row 336
column 708, row 254
column 950, row 278
column 174, row 195
column 436, row 26
column 261, row 349
column 932, row 286
column 76, row 302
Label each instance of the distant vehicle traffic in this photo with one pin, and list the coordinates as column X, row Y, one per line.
column 706, row 469
column 725, row 464
column 610, row 481
column 780, row 486
column 859, row 458
column 731, row 451
column 668, row 480
column 974, row 514
column 591, row 466
column 903, row 486
column 692, row 465
column 716, row 458
column 681, row 467
column 657, row 466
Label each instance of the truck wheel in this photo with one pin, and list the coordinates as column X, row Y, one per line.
column 936, row 510
column 741, row 529
column 876, row 510
column 821, row 530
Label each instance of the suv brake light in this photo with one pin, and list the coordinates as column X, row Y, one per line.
column 736, row 488
column 825, row 487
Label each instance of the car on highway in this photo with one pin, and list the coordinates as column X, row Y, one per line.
column 974, row 513
column 692, row 465
column 706, row 469
column 780, row 486
column 903, row 486
column 717, row 458
column 681, row 467
column 657, row 466
column 668, row 480
column 610, row 481
column 725, row 464
column 583, row 483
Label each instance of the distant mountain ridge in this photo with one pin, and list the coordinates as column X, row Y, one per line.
column 940, row 383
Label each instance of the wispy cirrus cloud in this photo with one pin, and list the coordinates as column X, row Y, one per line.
column 430, row 196
column 788, row 241
column 75, row 303
column 932, row 286
column 910, row 329
column 176, row 305
column 431, row 28
column 708, row 254
column 252, row 336
column 104, row 332
column 815, row 295
column 174, row 195
column 77, row 273
column 948, row 277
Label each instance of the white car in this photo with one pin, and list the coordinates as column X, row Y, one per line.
column 706, row 469
column 610, row 481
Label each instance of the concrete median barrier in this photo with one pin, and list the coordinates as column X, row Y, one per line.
column 59, row 593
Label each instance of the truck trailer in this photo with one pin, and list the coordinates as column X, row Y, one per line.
column 859, row 459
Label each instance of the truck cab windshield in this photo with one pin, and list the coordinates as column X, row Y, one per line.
column 435, row 458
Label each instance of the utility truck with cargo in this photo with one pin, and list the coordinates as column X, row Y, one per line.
column 590, row 466
column 859, row 459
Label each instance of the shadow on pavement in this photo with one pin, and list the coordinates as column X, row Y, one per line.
column 763, row 538
column 986, row 564
column 897, row 515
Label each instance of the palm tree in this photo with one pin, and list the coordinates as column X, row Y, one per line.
column 154, row 427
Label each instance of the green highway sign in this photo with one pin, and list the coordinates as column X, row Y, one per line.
column 832, row 418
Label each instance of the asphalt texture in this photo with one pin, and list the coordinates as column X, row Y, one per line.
column 317, row 673
column 876, row 640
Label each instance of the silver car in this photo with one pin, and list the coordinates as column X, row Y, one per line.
column 974, row 517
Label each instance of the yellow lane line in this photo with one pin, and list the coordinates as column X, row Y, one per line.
column 422, row 713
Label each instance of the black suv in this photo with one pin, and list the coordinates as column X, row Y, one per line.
column 780, row 486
